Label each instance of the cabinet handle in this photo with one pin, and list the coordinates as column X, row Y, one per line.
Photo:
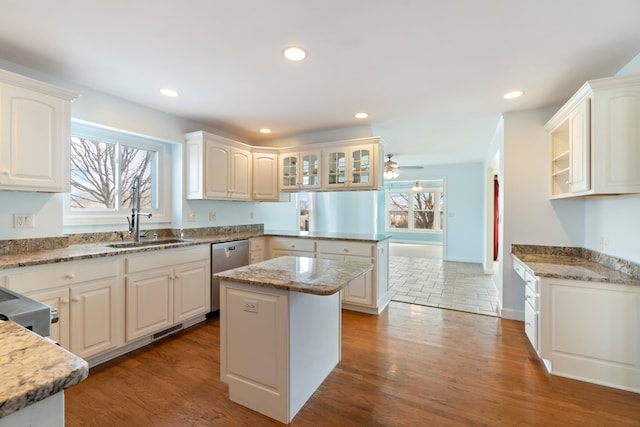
column 527, row 297
column 293, row 246
column 75, row 299
column 69, row 276
column 345, row 250
column 64, row 301
column 5, row 172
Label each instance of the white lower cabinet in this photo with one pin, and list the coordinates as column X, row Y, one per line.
column 89, row 299
column 584, row 330
column 590, row 331
column 368, row 293
column 257, row 249
column 291, row 246
column 164, row 288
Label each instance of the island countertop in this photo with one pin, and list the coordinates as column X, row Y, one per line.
column 33, row 369
column 299, row 274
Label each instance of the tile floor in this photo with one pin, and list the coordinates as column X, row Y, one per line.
column 416, row 279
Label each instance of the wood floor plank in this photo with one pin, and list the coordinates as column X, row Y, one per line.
column 410, row 366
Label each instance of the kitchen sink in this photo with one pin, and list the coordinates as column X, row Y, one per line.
column 145, row 243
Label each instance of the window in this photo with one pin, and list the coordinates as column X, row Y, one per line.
column 415, row 210
column 104, row 163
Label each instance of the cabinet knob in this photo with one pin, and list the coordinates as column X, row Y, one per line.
column 75, row 299
column 5, row 172
column 69, row 275
column 293, row 246
column 527, row 297
column 64, row 301
column 345, row 250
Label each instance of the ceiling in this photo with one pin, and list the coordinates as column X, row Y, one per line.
column 431, row 74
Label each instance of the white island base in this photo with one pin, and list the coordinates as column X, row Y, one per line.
column 277, row 346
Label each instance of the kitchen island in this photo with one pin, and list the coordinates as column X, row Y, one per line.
column 280, row 330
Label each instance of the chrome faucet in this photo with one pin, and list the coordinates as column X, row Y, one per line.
column 134, row 221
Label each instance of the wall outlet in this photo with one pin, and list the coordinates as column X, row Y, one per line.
column 251, row 215
column 191, row 217
column 212, row 216
column 251, row 306
column 24, row 220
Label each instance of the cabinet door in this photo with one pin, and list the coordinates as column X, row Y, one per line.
column 310, row 169
column 240, row 178
column 59, row 300
column 216, row 170
column 360, row 291
column 359, row 171
column 579, row 149
column 95, row 317
column 335, row 175
column 191, row 290
column 289, row 171
column 149, row 303
column 34, row 140
column 265, row 176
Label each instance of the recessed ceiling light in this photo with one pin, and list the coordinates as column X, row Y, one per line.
column 294, row 53
column 361, row 115
column 169, row 92
column 265, row 130
column 513, row 94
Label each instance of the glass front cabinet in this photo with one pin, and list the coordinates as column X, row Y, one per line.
column 300, row 170
column 350, row 167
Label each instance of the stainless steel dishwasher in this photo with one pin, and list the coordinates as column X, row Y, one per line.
column 226, row 256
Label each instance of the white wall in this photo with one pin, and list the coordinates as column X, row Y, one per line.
column 106, row 110
column 529, row 217
column 463, row 235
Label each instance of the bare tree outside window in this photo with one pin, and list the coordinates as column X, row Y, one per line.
column 94, row 166
column 419, row 206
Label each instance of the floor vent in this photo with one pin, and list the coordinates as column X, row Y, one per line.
column 167, row 331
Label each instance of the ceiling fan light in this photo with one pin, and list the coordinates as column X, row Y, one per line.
column 417, row 186
column 390, row 174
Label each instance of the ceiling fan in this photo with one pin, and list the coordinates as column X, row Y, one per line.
column 391, row 168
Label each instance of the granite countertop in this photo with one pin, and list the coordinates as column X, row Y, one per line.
column 32, row 368
column 102, row 249
column 299, row 274
column 577, row 264
column 329, row 236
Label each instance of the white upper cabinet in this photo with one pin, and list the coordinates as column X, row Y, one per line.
column 352, row 167
column 35, row 124
column 595, row 140
column 217, row 168
column 300, row 171
column 342, row 165
column 265, row 175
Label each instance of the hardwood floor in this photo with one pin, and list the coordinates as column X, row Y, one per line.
column 411, row 366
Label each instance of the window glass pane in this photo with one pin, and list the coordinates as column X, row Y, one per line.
column 423, row 220
column 93, row 165
column 398, row 219
column 135, row 162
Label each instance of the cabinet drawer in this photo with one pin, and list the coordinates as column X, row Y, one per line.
column 531, row 297
column 257, row 244
column 532, row 281
column 520, row 269
column 346, row 248
column 166, row 258
column 38, row 278
column 531, row 325
column 293, row 244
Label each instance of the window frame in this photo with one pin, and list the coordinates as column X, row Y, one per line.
column 75, row 217
column 438, row 227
